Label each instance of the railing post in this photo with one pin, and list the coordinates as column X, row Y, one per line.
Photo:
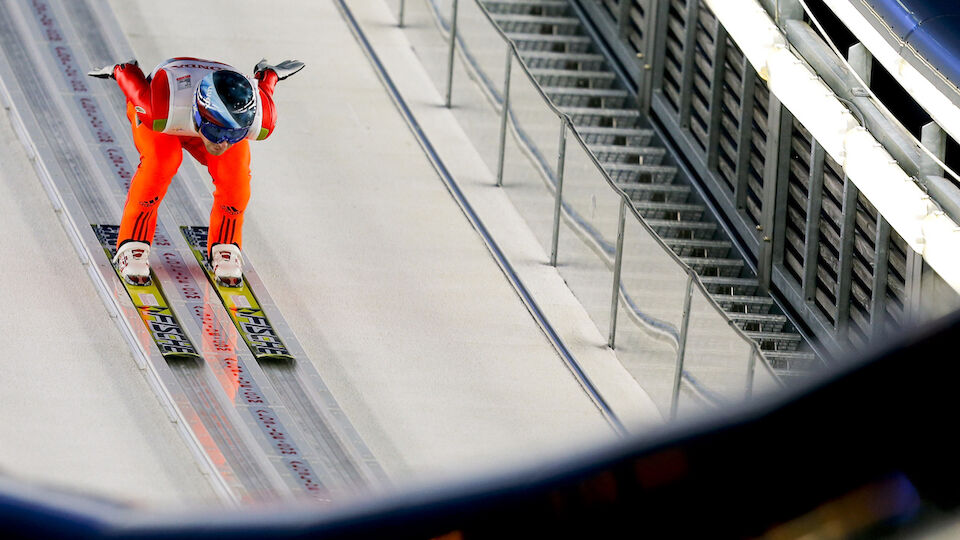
column 400, row 15
column 617, row 265
column 681, row 346
column 504, row 113
column 558, row 198
column 751, row 367
column 453, row 46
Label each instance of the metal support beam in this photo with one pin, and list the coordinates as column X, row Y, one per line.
column 647, row 55
column 783, row 10
column 775, row 176
column 861, row 60
column 782, row 188
column 656, row 60
column 811, row 237
column 716, row 98
column 623, row 17
column 881, row 258
column 913, row 286
column 933, row 138
column 689, row 61
column 845, row 271
column 747, row 100
column 942, row 190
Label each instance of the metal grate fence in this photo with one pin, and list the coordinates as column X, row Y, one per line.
column 813, row 237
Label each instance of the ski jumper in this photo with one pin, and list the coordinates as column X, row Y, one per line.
column 160, row 110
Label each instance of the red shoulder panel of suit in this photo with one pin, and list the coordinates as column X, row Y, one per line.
column 268, row 80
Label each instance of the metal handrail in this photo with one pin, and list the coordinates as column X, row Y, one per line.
column 623, row 196
column 625, row 202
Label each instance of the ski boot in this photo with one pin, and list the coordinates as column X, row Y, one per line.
column 227, row 264
column 132, row 261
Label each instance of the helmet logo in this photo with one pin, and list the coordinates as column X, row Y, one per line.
column 203, row 95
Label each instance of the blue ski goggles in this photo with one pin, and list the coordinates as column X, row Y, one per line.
column 217, row 134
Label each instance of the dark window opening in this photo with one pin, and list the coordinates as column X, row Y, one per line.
column 836, row 30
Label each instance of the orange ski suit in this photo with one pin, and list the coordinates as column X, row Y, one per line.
column 161, row 155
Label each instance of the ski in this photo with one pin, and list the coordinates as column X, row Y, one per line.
column 241, row 304
column 151, row 303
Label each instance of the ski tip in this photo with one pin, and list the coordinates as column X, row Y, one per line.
column 183, row 357
column 276, row 357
